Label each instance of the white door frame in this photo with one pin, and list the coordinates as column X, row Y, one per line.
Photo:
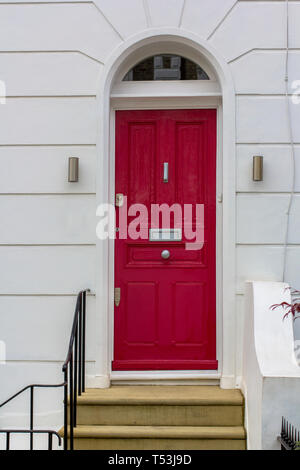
column 226, row 192
column 171, row 102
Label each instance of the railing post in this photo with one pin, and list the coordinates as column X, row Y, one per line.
column 75, row 375
column 289, row 436
column 31, row 416
column 83, row 338
column 80, row 348
column 66, row 409
column 50, row 439
column 71, row 391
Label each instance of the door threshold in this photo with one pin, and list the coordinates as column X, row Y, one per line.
column 165, row 377
column 185, row 382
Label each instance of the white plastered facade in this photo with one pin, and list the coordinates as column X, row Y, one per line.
column 62, row 90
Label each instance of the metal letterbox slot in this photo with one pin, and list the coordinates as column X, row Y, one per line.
column 165, row 234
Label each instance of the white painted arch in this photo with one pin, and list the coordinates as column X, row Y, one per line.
column 126, row 53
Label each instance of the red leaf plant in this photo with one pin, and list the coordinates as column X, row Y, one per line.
column 290, row 309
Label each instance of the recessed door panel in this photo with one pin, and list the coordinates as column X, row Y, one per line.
column 141, row 163
column 189, row 150
column 189, row 329
column 141, row 313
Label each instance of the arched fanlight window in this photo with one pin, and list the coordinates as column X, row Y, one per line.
column 166, row 67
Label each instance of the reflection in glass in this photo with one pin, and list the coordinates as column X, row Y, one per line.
column 166, row 67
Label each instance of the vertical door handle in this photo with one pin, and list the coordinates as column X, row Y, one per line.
column 166, row 172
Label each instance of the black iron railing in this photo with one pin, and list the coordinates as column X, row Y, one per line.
column 74, row 369
column 289, row 436
column 73, row 384
column 31, row 431
column 49, row 433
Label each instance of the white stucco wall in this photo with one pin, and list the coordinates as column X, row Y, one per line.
column 51, row 58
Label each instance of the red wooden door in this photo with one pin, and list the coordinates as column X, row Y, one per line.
column 166, row 317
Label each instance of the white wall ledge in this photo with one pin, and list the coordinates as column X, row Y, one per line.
column 271, row 376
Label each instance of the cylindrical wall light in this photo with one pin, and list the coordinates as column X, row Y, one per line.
column 73, row 173
column 258, row 168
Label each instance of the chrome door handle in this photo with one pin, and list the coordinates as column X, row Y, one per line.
column 166, row 172
column 165, row 254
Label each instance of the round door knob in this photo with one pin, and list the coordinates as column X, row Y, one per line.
column 165, row 254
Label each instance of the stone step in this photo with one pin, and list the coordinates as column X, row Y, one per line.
column 164, row 395
column 159, row 437
column 156, row 406
column 160, row 417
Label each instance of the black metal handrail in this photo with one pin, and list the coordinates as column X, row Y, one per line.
column 74, row 368
column 74, row 382
column 31, row 432
column 289, row 436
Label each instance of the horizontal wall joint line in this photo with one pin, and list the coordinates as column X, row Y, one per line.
column 264, row 95
column 48, row 194
column 48, row 96
column 29, row 361
column 75, row 294
column 267, row 143
column 267, row 193
column 47, row 145
column 275, row 245
column 57, row 51
column 2, row 245
column 263, row 49
column 40, row 2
